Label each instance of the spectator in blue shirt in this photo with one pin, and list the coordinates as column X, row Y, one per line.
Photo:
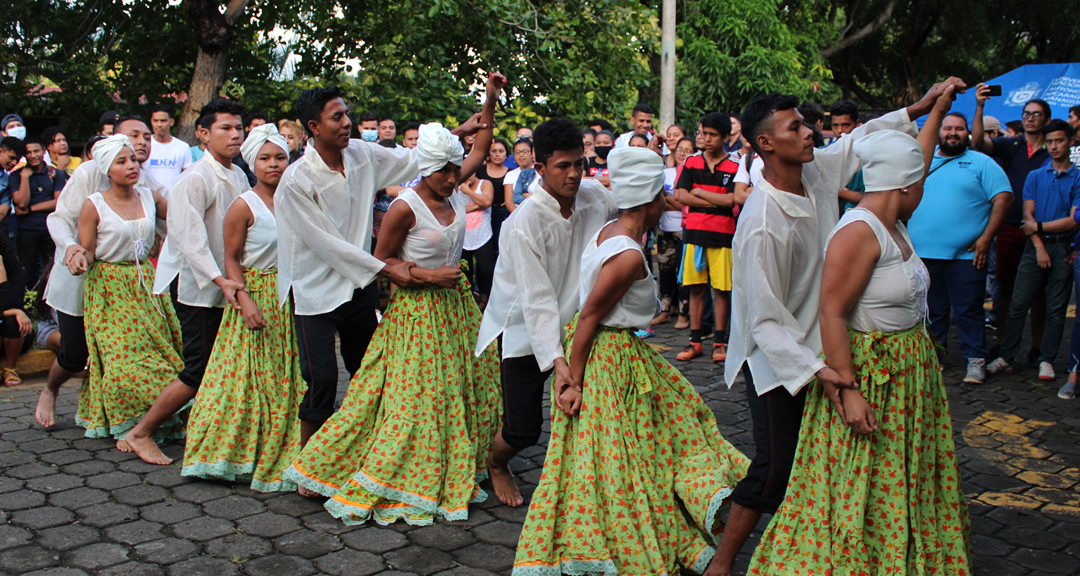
column 11, row 150
column 1051, row 195
column 956, row 249
column 35, row 189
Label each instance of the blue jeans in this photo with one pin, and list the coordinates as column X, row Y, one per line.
column 1056, row 281
column 957, row 287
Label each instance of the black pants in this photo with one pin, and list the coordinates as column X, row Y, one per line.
column 354, row 322
column 481, row 266
column 73, row 352
column 523, row 401
column 198, row 329
column 777, row 418
column 35, row 247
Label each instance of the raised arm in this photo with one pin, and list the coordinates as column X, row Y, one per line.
column 482, row 145
column 979, row 139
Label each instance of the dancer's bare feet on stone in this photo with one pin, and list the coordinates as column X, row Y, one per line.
column 123, row 446
column 46, row 409
column 505, row 487
column 147, row 449
column 307, row 492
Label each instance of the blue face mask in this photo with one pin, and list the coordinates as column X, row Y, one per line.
column 369, row 135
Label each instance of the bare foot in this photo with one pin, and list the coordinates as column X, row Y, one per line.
column 147, row 449
column 46, row 407
column 123, row 446
column 663, row 318
column 307, row 493
column 505, row 487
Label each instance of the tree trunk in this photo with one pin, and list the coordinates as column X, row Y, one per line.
column 209, row 76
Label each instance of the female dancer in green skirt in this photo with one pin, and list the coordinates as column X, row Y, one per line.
column 636, row 470
column 133, row 336
column 412, row 437
column 244, row 424
column 875, row 488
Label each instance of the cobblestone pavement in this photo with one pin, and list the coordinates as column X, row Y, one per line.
column 70, row 505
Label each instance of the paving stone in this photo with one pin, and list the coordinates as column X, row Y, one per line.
column 511, row 514
column 78, row 498
column 12, row 537
column 324, row 522
column 233, row 507
column 203, row 528
column 135, row 532
column 350, row 563
column 27, row 559
column 248, row 492
column 140, row 495
column 238, row 546
column 477, row 517
column 66, row 537
column 1047, row 561
column 1031, row 538
column 54, row 483
column 20, row 500
column 267, row 525
column 28, row 435
column 486, row 557
column 96, row 556
column 32, row 470
column 168, row 477
column 441, row 537
column 170, row 512
column 204, row 566
column 167, row 550
column 133, row 569
column 464, row 571
column 294, row 505
column 107, row 514
column 89, row 468
column 15, row 458
column 308, row 543
column 200, row 492
column 44, row 446
column 375, row 540
column 501, row 533
column 985, row 546
column 113, row 480
column 1020, row 518
column 423, row 561
column 116, row 456
column 64, row 457
column 44, row 517
column 137, row 466
column 8, row 484
column 57, row 572
column 279, row 566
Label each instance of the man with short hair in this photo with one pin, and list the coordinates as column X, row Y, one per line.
column 845, row 118
column 35, row 189
column 813, row 114
column 705, row 185
column 192, row 263
column 1074, row 121
column 734, row 143
column 169, row 156
column 1051, row 195
column 64, row 292
column 11, row 150
column 12, row 126
column 369, row 126
column 56, row 145
column 387, row 129
column 956, row 249
column 1019, row 156
column 599, row 125
column 254, row 120
column 410, row 135
column 107, row 123
column 640, row 123
column 993, row 127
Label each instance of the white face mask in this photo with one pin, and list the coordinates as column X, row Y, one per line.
column 370, row 135
column 18, row 132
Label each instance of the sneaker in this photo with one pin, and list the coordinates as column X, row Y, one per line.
column 1046, row 371
column 1068, row 391
column 976, row 371
column 999, row 366
column 719, row 352
column 991, row 324
column 643, row 334
column 693, row 350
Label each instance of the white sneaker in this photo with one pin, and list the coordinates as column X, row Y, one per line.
column 999, row 366
column 1046, row 371
column 1068, row 391
column 976, row 371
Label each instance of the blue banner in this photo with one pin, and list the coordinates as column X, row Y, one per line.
column 1058, row 84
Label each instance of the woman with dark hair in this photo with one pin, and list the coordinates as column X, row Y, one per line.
column 15, row 325
column 494, row 171
column 669, row 244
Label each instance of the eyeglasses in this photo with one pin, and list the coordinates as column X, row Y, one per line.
column 1035, row 115
column 523, row 153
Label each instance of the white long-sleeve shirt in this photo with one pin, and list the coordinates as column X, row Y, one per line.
column 325, row 219
column 535, row 291
column 779, row 259
column 194, row 249
column 65, row 292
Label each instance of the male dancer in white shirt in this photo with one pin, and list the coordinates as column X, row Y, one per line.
column 535, row 293
column 192, row 262
column 775, row 340
column 64, row 292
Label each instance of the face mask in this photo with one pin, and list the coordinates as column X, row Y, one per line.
column 18, row 132
column 370, row 135
column 602, row 151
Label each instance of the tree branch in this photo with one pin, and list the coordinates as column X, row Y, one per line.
column 846, row 42
column 234, row 9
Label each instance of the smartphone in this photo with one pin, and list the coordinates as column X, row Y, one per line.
column 994, row 90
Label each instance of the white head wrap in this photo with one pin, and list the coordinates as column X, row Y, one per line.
column 105, row 151
column 637, row 176
column 437, row 147
column 258, row 136
column 891, row 160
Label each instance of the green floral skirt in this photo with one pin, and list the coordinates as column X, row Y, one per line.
column 135, row 350
column 886, row 503
column 633, row 484
column 412, row 438
column 244, row 424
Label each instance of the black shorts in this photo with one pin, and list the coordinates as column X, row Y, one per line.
column 523, row 386
column 777, row 418
column 73, row 352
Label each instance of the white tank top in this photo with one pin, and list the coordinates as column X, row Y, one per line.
column 477, row 224
column 895, row 298
column 260, row 247
column 638, row 306
column 430, row 244
column 120, row 240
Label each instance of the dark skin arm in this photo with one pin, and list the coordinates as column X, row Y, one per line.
column 484, row 137
column 999, row 210
column 80, row 262
column 397, row 222
column 237, row 221
column 21, row 197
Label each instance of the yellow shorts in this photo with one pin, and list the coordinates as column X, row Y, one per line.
column 717, row 273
